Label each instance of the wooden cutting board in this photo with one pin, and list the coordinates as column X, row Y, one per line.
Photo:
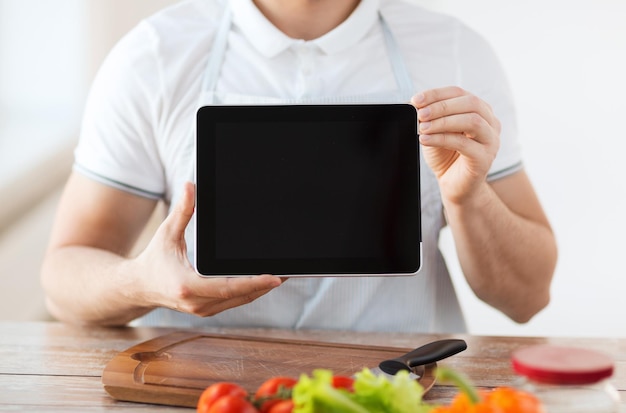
column 175, row 368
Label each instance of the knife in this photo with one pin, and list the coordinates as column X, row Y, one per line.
column 414, row 360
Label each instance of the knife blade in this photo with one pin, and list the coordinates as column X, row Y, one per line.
column 414, row 360
column 414, row 374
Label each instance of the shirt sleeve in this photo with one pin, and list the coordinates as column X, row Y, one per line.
column 117, row 143
column 481, row 73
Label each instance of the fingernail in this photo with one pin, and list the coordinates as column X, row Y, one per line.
column 423, row 113
column 419, row 98
column 425, row 138
column 424, row 126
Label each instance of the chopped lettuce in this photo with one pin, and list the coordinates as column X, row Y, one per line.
column 372, row 394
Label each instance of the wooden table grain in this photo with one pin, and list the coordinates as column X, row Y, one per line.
column 53, row 367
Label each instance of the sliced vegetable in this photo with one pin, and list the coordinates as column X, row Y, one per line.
column 397, row 395
column 322, row 392
column 498, row 400
column 316, row 394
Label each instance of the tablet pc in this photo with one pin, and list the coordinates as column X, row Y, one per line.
column 307, row 190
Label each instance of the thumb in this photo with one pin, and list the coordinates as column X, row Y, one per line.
column 180, row 216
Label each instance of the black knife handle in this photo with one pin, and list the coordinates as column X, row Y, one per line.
column 428, row 353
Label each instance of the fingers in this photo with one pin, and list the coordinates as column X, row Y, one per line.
column 456, row 142
column 211, row 308
column 179, row 218
column 471, row 125
column 209, row 296
column 179, row 286
column 230, row 287
column 452, row 109
column 169, row 280
column 441, row 95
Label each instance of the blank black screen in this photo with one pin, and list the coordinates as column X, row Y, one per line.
column 307, row 190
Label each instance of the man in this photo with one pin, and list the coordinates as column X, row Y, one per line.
column 137, row 142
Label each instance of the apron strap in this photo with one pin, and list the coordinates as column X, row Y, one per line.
column 212, row 72
column 400, row 70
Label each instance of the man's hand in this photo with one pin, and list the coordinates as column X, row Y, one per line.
column 90, row 278
column 496, row 225
column 168, row 279
column 461, row 137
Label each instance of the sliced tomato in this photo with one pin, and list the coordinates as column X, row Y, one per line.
column 343, row 382
column 231, row 403
column 273, row 390
column 214, row 392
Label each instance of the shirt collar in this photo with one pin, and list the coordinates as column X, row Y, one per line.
column 270, row 41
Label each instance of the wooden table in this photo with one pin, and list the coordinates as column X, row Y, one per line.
column 55, row 367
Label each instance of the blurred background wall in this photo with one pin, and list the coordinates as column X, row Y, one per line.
column 566, row 61
column 49, row 53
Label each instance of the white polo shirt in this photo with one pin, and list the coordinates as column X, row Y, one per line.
column 137, row 133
